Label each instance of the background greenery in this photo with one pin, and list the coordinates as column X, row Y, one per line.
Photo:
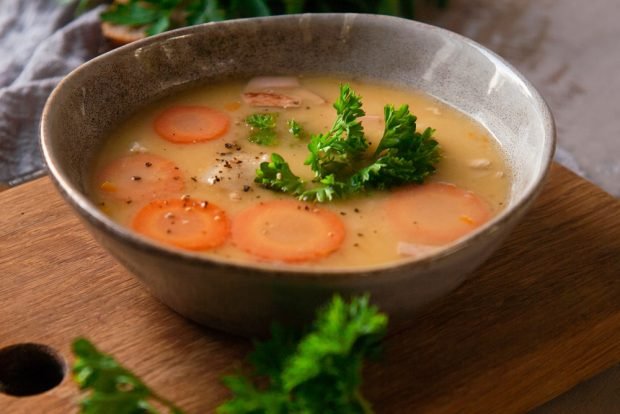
column 157, row 16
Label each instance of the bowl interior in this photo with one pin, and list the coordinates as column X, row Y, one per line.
column 91, row 101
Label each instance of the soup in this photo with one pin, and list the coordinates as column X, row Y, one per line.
column 183, row 172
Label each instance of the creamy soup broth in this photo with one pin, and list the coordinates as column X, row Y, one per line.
column 472, row 160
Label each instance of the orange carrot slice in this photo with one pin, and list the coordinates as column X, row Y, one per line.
column 436, row 213
column 190, row 124
column 184, row 223
column 139, row 177
column 288, row 231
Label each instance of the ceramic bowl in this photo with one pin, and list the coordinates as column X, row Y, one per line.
column 243, row 298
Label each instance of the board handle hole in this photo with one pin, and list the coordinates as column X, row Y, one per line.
column 30, row 369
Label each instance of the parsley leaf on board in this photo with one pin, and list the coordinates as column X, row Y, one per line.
column 320, row 372
column 263, row 128
column 111, row 387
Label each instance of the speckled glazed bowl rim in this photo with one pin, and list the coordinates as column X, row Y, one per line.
column 96, row 217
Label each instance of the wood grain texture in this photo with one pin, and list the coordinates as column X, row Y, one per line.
column 539, row 317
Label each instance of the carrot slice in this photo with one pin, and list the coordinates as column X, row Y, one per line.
column 139, row 177
column 190, row 124
column 184, row 223
column 436, row 213
column 288, row 231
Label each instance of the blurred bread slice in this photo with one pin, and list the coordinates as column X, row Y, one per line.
column 119, row 34
column 122, row 35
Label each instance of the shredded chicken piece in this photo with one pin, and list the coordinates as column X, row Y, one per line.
column 278, row 91
column 479, row 163
column 415, row 250
column 136, row 147
column 308, row 97
column 270, row 99
column 232, row 169
column 261, row 83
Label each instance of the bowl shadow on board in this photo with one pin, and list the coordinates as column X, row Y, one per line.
column 245, row 299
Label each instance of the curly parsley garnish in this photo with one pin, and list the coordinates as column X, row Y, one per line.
column 277, row 175
column 336, row 151
column 340, row 161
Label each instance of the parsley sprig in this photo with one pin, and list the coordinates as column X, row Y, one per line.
column 111, row 387
column 336, row 151
column 340, row 161
column 319, row 373
column 277, row 175
column 312, row 373
column 156, row 16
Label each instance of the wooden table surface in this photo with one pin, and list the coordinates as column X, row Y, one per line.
column 539, row 317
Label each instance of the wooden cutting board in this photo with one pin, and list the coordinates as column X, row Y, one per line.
column 541, row 316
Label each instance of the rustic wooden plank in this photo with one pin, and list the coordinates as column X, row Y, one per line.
column 541, row 316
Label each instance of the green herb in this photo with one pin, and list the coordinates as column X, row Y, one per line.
column 340, row 161
column 335, row 151
column 203, row 11
column 319, row 373
column 111, row 387
column 83, row 5
column 277, row 175
column 263, row 128
column 295, row 129
column 156, row 16
column 403, row 155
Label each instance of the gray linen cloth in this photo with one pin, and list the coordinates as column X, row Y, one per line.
column 40, row 42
